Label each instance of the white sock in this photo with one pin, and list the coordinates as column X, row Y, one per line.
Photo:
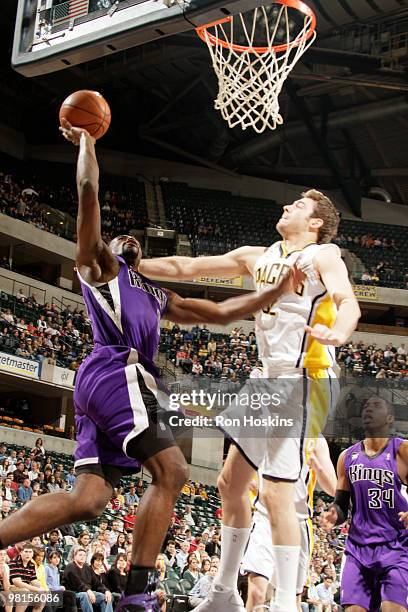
column 233, row 543
column 286, row 571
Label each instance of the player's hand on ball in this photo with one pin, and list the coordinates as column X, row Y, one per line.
column 403, row 517
column 73, row 134
column 328, row 520
column 325, row 335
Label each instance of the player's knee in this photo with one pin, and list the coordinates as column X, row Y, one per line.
column 87, row 507
column 272, row 497
column 171, row 474
column 224, row 484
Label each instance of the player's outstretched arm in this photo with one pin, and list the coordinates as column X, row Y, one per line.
column 189, row 310
column 320, row 462
column 334, row 275
column 235, row 263
column 403, row 460
column 94, row 259
column 338, row 511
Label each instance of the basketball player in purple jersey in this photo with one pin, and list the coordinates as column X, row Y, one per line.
column 374, row 474
column 119, row 421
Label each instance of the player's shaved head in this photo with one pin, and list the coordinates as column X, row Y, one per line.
column 127, row 247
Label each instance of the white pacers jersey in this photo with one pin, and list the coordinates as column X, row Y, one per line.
column 280, row 328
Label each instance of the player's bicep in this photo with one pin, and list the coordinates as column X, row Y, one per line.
column 342, row 480
column 334, row 275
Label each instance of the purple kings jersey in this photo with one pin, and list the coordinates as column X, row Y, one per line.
column 377, row 494
column 126, row 312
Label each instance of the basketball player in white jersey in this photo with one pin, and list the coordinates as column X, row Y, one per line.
column 296, row 339
column 258, row 561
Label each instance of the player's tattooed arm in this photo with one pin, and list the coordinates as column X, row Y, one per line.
column 189, row 310
column 338, row 511
column 334, row 275
column 94, row 259
column 235, row 263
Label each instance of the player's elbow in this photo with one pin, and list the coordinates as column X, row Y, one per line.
column 87, row 187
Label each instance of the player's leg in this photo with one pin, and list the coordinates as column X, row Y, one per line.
column 233, row 484
column 257, row 590
column 394, row 584
column 278, row 497
column 169, row 473
column 258, row 561
column 86, row 502
column 360, row 590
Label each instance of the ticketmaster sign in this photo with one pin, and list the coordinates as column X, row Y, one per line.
column 18, row 365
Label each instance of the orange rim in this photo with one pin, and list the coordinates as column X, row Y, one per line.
column 207, row 37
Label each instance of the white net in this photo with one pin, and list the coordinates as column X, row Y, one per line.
column 250, row 76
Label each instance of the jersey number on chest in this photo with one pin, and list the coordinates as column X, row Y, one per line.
column 272, row 274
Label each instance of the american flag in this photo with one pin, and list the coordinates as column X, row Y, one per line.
column 70, row 9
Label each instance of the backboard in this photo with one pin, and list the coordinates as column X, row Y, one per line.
column 51, row 35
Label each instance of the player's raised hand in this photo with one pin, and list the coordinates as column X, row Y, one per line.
column 325, row 335
column 403, row 517
column 328, row 520
column 73, row 134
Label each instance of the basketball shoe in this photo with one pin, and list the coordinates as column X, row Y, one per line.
column 221, row 599
column 142, row 602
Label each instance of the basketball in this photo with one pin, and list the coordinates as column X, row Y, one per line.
column 87, row 109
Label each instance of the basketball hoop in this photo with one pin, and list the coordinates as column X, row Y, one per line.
column 251, row 77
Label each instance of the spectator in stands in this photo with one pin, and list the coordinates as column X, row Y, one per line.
column 38, row 559
column 117, row 575
column 120, row 545
column 97, row 564
column 160, row 567
column 214, row 547
column 25, row 491
column 39, row 450
column 4, row 579
column 5, row 509
column 54, row 544
column 182, row 555
column 4, row 467
column 52, row 573
column 188, row 516
column 129, row 518
column 115, row 531
column 34, row 471
column 131, row 498
column 202, row 587
column 326, row 597
column 313, row 599
column 53, row 486
column 70, row 477
column 170, row 554
column 23, row 575
column 79, row 578
column 191, row 573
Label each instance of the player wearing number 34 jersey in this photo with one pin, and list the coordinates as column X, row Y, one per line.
column 374, row 474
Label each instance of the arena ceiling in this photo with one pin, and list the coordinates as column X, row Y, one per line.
column 345, row 107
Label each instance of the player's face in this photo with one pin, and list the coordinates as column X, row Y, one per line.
column 375, row 415
column 128, row 248
column 298, row 217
